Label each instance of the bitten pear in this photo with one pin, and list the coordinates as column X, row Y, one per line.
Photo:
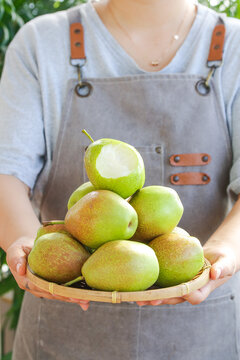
column 159, row 210
column 121, row 265
column 99, row 217
column 57, row 257
column 180, row 258
column 114, row 165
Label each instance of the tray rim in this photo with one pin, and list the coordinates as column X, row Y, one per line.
column 113, row 297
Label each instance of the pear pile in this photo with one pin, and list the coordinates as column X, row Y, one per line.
column 117, row 235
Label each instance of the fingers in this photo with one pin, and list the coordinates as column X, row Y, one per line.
column 17, row 261
column 43, row 294
column 173, row 301
column 198, row 296
column 84, row 306
column 224, row 266
column 141, row 303
column 170, row 301
column 222, row 258
column 17, row 258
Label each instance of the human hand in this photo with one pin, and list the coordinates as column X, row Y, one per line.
column 17, row 254
column 224, row 264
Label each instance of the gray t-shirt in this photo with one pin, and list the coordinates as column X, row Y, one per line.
column 37, row 69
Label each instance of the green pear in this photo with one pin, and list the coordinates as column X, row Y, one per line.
column 114, row 165
column 121, row 265
column 52, row 226
column 57, row 257
column 177, row 230
column 79, row 193
column 180, row 231
column 159, row 210
column 180, row 258
column 101, row 216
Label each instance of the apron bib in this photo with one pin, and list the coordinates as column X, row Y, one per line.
column 183, row 139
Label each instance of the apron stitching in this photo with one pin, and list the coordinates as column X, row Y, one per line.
column 236, row 330
column 162, row 163
column 223, row 123
column 163, row 77
column 138, row 329
column 38, row 330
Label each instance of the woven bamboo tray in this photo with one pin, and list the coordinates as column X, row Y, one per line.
column 117, row 297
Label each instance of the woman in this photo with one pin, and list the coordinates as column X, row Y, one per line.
column 150, row 81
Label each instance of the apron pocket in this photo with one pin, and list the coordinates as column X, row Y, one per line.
column 186, row 332
column 153, row 160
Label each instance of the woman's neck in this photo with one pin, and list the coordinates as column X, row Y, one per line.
column 147, row 16
column 150, row 31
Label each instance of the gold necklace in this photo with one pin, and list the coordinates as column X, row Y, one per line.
column 174, row 37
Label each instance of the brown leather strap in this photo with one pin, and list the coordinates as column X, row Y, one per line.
column 190, row 178
column 217, row 43
column 196, row 159
column 77, row 41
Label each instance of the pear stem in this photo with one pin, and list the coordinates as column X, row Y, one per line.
column 87, row 134
column 79, row 278
column 54, row 222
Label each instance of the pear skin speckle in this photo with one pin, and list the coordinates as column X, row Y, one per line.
column 57, row 257
column 99, row 217
column 159, row 210
column 121, row 265
column 180, row 258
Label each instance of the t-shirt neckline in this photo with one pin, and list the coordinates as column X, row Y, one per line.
column 124, row 58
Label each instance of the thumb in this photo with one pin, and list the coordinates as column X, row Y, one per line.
column 17, row 259
column 224, row 266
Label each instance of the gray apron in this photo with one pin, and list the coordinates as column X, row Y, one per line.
column 163, row 116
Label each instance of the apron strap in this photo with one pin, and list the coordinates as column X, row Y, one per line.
column 216, row 48
column 77, row 42
column 215, row 56
column 78, row 56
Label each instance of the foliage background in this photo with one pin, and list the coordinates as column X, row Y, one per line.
column 13, row 14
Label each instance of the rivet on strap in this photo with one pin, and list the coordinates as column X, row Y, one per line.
column 190, row 178
column 217, row 43
column 77, row 41
column 194, row 159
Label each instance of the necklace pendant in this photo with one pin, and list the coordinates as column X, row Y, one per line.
column 155, row 63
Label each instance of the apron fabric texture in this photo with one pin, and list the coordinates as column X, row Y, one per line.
column 160, row 115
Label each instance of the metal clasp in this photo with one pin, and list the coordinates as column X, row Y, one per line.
column 202, row 86
column 83, row 88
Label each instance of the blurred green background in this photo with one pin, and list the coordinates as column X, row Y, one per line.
column 13, row 14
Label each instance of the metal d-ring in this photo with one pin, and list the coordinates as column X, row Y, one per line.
column 202, row 86
column 83, row 88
